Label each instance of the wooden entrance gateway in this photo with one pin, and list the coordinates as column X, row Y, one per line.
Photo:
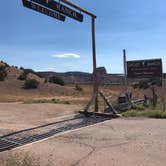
column 59, row 10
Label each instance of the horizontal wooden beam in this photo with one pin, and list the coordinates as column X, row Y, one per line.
column 78, row 8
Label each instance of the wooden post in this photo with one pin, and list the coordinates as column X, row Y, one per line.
column 163, row 89
column 125, row 71
column 95, row 84
column 163, row 94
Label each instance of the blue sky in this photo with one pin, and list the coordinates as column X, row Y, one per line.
column 36, row 41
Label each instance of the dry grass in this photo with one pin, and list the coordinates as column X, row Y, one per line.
column 146, row 111
column 148, row 114
column 52, row 101
column 19, row 159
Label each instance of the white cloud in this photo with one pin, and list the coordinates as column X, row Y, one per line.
column 67, row 55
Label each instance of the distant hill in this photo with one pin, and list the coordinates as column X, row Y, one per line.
column 86, row 78
column 14, row 75
column 11, row 87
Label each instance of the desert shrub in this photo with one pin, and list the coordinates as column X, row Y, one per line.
column 138, row 107
column 27, row 71
column 143, row 85
column 31, row 84
column 3, row 73
column 57, row 101
column 56, row 80
column 23, row 76
column 78, row 88
column 2, row 68
column 148, row 114
column 135, row 86
column 45, row 80
column 14, row 67
column 146, row 84
column 156, row 82
column 5, row 64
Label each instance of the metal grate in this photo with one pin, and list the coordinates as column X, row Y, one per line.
column 21, row 138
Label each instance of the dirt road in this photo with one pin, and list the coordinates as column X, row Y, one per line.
column 16, row 116
column 118, row 142
column 136, row 142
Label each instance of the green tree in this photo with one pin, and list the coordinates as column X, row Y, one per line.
column 31, row 84
column 3, row 73
column 56, row 80
column 78, row 88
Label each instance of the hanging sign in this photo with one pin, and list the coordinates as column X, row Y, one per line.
column 57, row 6
column 43, row 10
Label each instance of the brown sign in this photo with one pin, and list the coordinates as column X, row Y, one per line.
column 144, row 68
column 43, row 10
column 60, row 8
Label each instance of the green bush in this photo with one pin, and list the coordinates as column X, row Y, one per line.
column 52, row 101
column 143, row 85
column 3, row 73
column 56, row 80
column 148, row 114
column 27, row 71
column 135, row 86
column 78, row 88
column 57, row 101
column 146, row 84
column 5, row 64
column 23, row 76
column 138, row 107
column 31, row 84
column 156, row 82
column 45, row 80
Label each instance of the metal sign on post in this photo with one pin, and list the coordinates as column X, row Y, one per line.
column 60, row 8
column 43, row 10
column 151, row 68
column 144, row 68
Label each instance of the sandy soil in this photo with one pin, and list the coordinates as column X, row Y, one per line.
column 118, row 142
column 16, row 116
